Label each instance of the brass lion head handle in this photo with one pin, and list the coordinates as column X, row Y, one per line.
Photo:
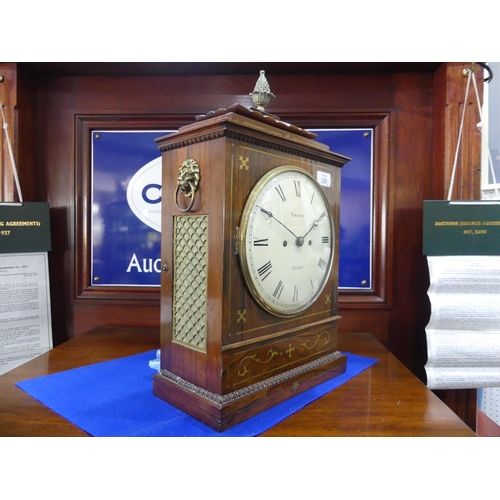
column 187, row 182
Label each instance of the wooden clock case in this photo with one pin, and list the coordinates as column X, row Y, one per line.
column 224, row 358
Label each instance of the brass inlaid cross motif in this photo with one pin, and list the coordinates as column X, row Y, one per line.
column 244, row 163
column 328, row 299
column 289, row 350
column 242, row 316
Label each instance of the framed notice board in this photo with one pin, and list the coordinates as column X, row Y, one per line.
column 126, row 206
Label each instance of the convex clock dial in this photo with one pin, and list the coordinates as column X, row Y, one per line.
column 287, row 241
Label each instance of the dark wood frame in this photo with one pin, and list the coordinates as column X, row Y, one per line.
column 84, row 125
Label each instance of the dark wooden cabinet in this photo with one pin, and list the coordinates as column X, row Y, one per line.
column 414, row 110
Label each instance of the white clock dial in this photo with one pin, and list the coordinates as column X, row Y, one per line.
column 287, row 241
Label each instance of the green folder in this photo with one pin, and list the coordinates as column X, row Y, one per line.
column 25, row 227
column 461, row 228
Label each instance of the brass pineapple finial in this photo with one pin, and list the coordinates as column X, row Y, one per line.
column 262, row 94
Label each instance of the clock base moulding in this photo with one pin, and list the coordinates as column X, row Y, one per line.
column 221, row 412
column 255, row 375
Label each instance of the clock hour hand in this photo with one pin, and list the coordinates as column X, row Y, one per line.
column 269, row 214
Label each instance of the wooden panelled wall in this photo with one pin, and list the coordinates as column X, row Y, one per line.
column 415, row 116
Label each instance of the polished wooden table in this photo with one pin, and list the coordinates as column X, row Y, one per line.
column 384, row 400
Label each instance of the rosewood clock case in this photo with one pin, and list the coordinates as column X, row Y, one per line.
column 224, row 358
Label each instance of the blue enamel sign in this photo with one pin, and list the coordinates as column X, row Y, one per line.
column 356, row 204
column 126, row 206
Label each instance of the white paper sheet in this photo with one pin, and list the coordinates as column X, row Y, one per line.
column 463, row 334
column 25, row 319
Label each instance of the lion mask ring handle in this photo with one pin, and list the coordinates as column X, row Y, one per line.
column 188, row 180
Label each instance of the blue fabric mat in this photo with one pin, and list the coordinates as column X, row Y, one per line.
column 115, row 398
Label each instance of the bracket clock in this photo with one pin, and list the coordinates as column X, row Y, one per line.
column 250, row 230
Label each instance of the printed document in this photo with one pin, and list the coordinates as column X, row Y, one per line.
column 25, row 319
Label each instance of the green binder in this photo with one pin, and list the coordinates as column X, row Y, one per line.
column 25, row 228
column 461, row 228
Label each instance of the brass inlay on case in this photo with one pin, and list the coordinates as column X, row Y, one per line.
column 242, row 315
column 189, row 318
column 244, row 162
column 243, row 370
column 317, row 342
column 326, row 339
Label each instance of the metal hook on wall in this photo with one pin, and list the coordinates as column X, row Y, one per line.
column 467, row 71
column 488, row 69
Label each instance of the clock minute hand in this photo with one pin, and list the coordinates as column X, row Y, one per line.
column 268, row 213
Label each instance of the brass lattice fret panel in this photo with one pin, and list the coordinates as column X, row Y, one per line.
column 190, row 281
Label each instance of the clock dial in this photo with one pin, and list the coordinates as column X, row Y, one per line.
column 286, row 241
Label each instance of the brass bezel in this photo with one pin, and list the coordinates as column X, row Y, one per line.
column 245, row 216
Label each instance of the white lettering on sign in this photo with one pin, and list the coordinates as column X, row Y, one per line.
column 144, row 194
column 148, row 265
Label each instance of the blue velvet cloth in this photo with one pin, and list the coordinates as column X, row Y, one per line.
column 115, row 398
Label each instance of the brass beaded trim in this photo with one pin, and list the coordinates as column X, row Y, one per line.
column 259, row 386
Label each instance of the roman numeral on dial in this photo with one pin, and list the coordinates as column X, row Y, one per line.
column 265, row 270
column 264, row 242
column 279, row 289
column 297, row 188
column 325, row 239
column 321, row 263
column 280, row 192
